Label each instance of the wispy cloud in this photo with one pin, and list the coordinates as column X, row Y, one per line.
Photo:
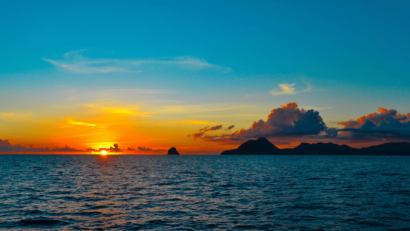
column 75, row 62
column 229, row 128
column 116, row 108
column 206, row 129
column 288, row 89
column 80, row 123
column 86, row 67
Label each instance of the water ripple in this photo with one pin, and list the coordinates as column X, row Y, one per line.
column 204, row 192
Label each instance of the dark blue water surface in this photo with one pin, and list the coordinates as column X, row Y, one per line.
column 204, row 192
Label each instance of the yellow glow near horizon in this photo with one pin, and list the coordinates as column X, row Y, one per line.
column 81, row 123
column 103, row 152
column 108, row 122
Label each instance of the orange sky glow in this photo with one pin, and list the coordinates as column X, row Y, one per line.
column 138, row 129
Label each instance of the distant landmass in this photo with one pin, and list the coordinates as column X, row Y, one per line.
column 173, row 151
column 262, row 146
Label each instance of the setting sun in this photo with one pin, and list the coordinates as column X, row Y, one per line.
column 103, row 152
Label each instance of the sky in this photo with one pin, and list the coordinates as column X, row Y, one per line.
column 201, row 75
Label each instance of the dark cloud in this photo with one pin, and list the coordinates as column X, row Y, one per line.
column 285, row 121
column 116, row 148
column 5, row 143
column 291, row 124
column 144, row 149
column 197, row 135
column 5, row 146
column 331, row 132
column 230, row 127
column 214, row 128
column 110, row 149
column 386, row 124
column 202, row 131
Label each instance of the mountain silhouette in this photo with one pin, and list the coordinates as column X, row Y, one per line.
column 173, row 151
column 262, row 146
column 324, row 149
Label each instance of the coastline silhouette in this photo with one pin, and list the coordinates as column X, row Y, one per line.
column 263, row 146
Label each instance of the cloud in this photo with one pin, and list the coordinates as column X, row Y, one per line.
column 229, row 128
column 290, row 124
column 88, row 67
column 197, row 135
column 124, row 111
column 202, row 131
column 207, row 128
column 387, row 124
column 5, row 143
column 144, row 149
column 115, row 107
column 286, row 121
column 115, row 149
column 75, row 62
column 80, row 123
column 288, row 89
column 5, row 146
column 75, row 53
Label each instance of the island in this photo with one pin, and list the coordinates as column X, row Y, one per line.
column 263, row 146
column 173, row 151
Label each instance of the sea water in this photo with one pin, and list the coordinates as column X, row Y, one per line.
column 73, row 192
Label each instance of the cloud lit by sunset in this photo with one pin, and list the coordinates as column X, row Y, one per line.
column 80, row 123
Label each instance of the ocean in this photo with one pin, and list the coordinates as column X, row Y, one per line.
column 75, row 192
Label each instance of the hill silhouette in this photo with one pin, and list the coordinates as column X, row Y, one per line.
column 262, row 146
column 324, row 149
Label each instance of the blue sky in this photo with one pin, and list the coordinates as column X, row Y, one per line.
column 345, row 57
